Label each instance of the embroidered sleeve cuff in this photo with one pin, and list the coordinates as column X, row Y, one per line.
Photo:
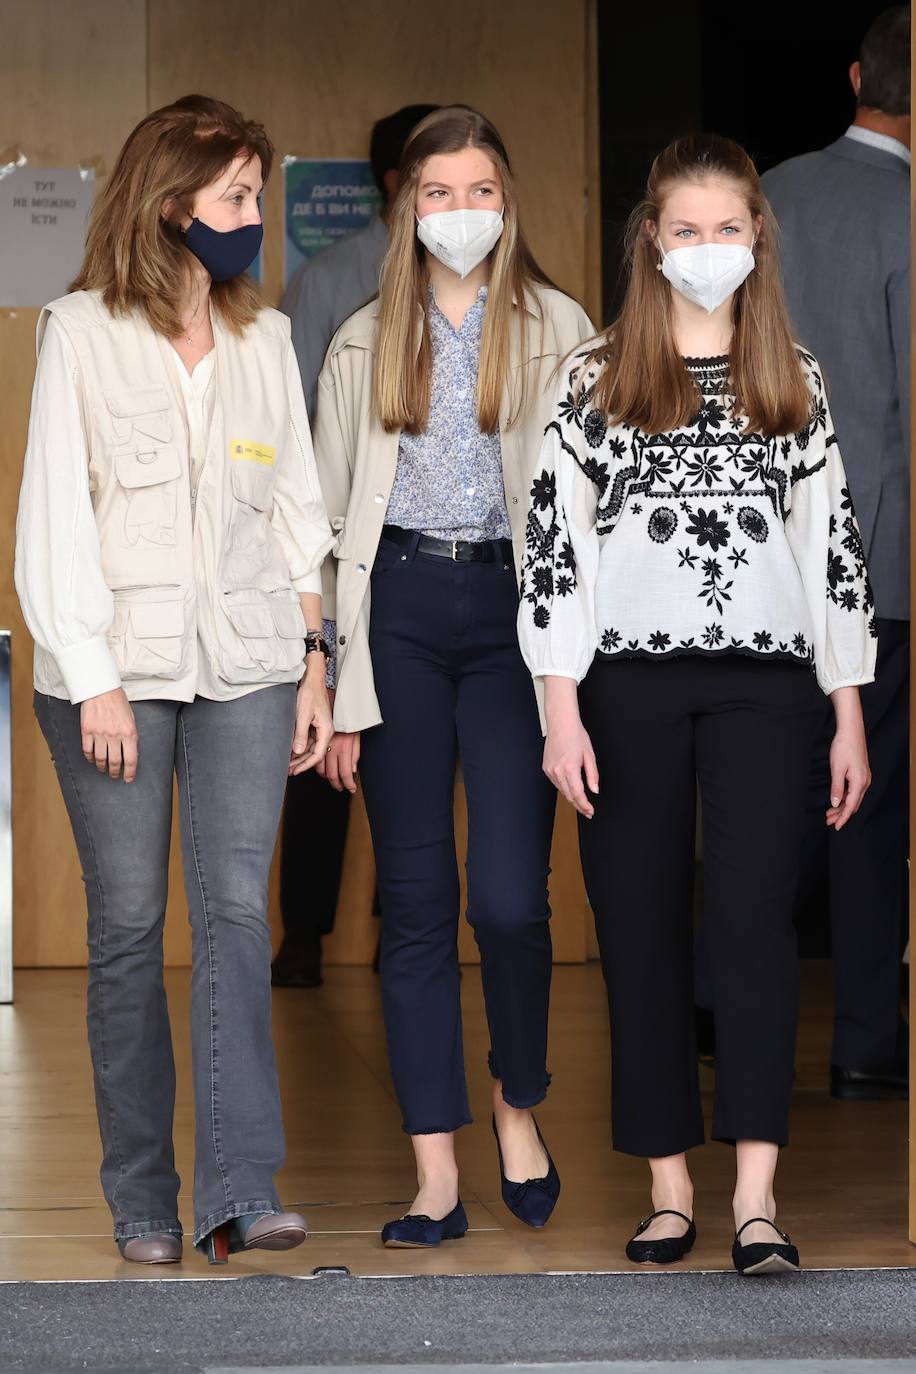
column 557, row 672
column 310, row 583
column 88, row 669
column 828, row 686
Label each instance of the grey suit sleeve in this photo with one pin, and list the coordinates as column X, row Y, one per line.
column 898, row 307
column 306, row 301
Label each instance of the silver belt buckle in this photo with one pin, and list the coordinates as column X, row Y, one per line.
column 455, row 543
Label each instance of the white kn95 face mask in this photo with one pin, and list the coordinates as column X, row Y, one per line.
column 460, row 239
column 707, row 273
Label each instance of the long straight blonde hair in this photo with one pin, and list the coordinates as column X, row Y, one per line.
column 643, row 381
column 133, row 256
column 402, row 377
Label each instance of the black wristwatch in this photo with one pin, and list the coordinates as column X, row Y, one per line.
column 315, row 642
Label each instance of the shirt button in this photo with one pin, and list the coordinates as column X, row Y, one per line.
column 471, row 490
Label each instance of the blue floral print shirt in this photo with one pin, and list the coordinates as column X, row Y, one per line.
column 449, row 481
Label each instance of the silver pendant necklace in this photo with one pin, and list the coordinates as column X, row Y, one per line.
column 189, row 334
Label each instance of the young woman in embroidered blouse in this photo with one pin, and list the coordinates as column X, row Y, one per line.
column 694, row 565
column 430, row 410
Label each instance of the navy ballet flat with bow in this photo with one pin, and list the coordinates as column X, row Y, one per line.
column 534, row 1200
column 418, row 1232
column 765, row 1257
column 666, row 1249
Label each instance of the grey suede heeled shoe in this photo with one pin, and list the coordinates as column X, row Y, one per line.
column 159, row 1247
column 254, row 1231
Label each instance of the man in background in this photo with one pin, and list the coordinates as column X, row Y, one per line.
column 321, row 294
column 845, row 253
column 328, row 288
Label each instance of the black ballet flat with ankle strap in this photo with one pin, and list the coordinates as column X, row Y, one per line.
column 765, row 1257
column 665, row 1250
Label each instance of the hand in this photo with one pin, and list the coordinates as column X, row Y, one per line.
column 314, row 726
column 340, row 763
column 109, row 734
column 568, row 751
column 850, row 775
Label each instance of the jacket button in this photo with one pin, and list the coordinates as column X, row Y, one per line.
column 515, row 500
column 360, row 567
column 341, row 640
column 379, row 498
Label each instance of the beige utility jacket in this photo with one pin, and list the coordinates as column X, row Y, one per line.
column 357, row 463
column 139, row 562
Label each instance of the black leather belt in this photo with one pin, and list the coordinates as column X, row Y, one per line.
column 458, row 550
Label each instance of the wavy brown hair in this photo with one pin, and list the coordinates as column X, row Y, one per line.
column 402, row 377
column 643, row 381
column 133, row 256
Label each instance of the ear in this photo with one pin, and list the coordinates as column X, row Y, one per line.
column 171, row 213
column 855, row 77
column 651, row 229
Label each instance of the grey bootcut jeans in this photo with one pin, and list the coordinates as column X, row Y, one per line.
column 231, row 761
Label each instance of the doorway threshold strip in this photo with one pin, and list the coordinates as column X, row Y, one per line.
column 520, row 1319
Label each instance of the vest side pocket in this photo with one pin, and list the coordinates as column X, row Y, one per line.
column 263, row 637
column 147, row 635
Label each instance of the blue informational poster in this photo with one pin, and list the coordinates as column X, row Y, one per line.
column 325, row 199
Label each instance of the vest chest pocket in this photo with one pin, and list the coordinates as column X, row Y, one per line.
column 149, row 480
column 249, row 543
column 146, row 462
column 147, row 632
column 139, row 412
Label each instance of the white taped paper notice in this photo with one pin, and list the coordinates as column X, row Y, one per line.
column 43, row 213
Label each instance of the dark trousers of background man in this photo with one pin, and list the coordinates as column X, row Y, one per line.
column 866, row 868
column 314, row 837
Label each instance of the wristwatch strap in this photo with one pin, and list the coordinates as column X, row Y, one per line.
column 315, row 642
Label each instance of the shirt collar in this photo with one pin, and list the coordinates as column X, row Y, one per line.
column 876, row 140
column 438, row 319
column 527, row 302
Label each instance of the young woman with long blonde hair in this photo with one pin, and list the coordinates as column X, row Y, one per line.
column 431, row 407
column 171, row 533
column 694, row 581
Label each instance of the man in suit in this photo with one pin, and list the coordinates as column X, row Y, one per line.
column 845, row 252
column 319, row 297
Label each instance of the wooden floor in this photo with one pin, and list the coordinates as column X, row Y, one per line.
column 842, row 1183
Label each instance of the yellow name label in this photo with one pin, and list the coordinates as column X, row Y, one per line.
column 244, row 451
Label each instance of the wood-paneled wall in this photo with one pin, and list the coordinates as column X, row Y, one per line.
column 76, row 77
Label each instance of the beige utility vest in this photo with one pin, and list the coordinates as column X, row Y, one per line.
column 190, row 573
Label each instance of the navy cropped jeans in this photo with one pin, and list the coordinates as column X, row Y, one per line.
column 451, row 683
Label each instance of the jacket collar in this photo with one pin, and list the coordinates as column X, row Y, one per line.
column 855, row 151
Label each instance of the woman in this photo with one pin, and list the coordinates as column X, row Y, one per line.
column 431, row 405
column 692, row 556
column 171, row 531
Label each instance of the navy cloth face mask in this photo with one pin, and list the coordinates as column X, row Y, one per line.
column 226, row 254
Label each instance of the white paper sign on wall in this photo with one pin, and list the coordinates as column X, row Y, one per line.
column 43, row 213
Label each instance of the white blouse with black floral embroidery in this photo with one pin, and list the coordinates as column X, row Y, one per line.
column 704, row 540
